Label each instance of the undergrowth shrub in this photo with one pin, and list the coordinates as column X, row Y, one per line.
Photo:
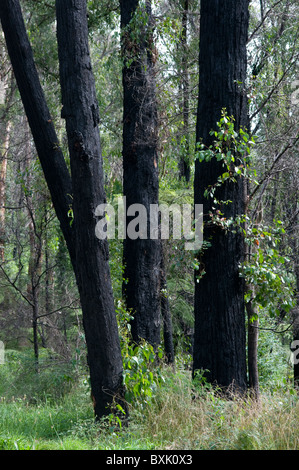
column 141, row 372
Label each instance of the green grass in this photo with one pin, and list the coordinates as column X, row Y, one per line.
column 178, row 417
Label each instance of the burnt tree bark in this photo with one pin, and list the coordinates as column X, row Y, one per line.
column 39, row 118
column 220, row 338
column 142, row 256
column 89, row 256
column 80, row 110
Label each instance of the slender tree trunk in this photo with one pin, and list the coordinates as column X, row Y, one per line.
column 3, row 171
column 142, row 256
column 252, row 320
column 219, row 337
column 262, row 9
column 35, row 314
column 252, row 360
column 48, row 273
column 166, row 315
column 35, row 246
column 295, row 320
column 33, row 285
column 295, row 313
column 80, row 110
column 184, row 163
column 274, row 197
column 5, row 134
column 33, row 288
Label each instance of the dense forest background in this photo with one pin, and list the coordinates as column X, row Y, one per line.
column 40, row 313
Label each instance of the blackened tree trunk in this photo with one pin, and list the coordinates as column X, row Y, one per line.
column 89, row 256
column 40, row 121
column 220, row 339
column 80, row 110
column 142, row 256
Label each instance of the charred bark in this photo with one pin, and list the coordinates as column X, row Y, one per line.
column 219, row 337
column 89, row 256
column 80, row 110
column 142, row 256
column 39, row 118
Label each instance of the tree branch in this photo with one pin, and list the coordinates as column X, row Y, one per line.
column 263, row 20
column 267, row 175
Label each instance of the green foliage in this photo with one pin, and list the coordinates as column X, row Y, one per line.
column 268, row 272
column 230, row 147
column 101, row 13
column 140, row 372
column 136, row 35
column 274, row 366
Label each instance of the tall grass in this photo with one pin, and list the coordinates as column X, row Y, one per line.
column 185, row 418
column 180, row 416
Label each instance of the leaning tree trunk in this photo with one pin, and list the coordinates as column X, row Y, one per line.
column 96, row 297
column 80, row 110
column 39, row 118
column 219, row 337
column 142, row 256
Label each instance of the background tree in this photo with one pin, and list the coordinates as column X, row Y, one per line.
column 272, row 57
column 7, row 96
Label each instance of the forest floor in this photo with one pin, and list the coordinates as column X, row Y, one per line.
column 178, row 417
